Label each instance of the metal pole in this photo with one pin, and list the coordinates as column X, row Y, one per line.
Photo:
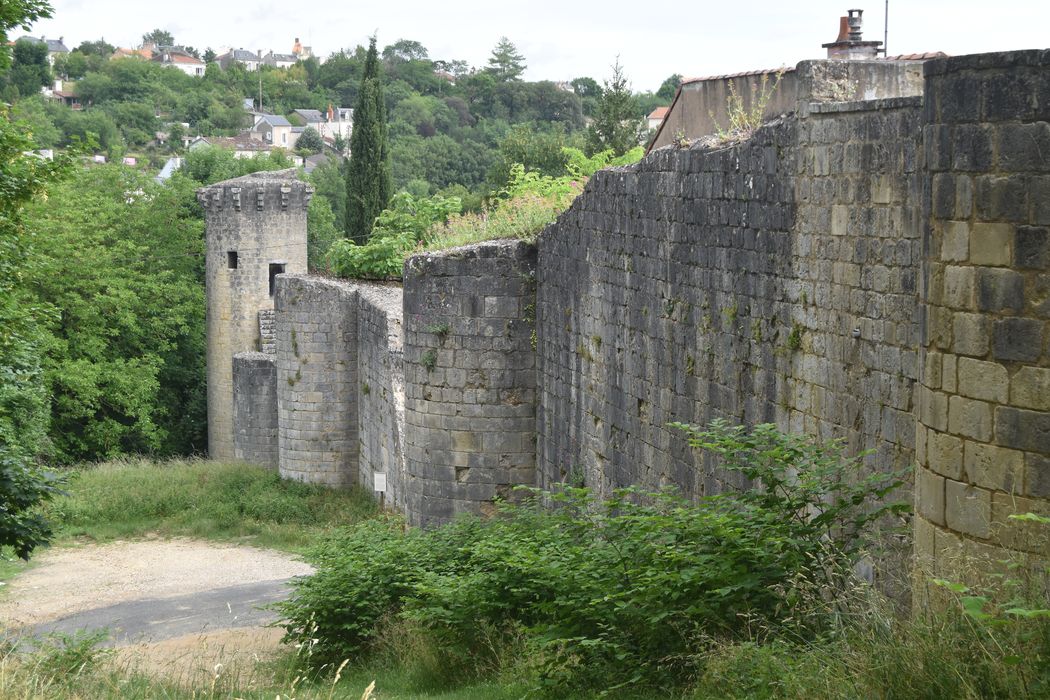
column 886, row 31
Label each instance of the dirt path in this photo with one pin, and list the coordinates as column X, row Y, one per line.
column 158, row 598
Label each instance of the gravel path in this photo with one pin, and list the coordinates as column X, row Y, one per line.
column 67, row 582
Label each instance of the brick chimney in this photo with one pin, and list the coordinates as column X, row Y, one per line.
column 850, row 46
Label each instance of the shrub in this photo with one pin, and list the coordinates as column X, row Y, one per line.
column 608, row 593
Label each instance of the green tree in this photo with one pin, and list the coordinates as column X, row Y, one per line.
column 96, row 48
column 309, row 141
column 18, row 13
column 23, row 392
column 616, row 125
column 209, row 55
column 505, row 62
column 669, row 87
column 368, row 173
column 30, row 70
column 160, row 37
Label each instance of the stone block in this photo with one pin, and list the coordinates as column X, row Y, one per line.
column 959, row 287
column 944, row 454
column 991, row 244
column 955, row 241
column 987, row 381
column 967, row 509
column 1037, row 475
column 970, row 334
column 1018, row 339
column 929, row 496
column 1023, row 430
column 1032, row 247
column 1022, row 535
column 933, row 409
column 949, row 373
column 1030, row 388
column 1000, row 290
column 1001, row 198
column 995, row 468
column 970, row 418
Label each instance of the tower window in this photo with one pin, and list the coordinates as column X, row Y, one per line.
column 231, row 259
column 275, row 269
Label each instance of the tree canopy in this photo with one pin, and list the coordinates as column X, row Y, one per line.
column 505, row 62
column 368, row 173
column 617, row 125
column 159, row 37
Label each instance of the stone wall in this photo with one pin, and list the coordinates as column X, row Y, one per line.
column 984, row 417
column 382, row 390
column 255, row 408
column 470, row 379
column 316, row 339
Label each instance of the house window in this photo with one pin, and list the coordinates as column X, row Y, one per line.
column 231, row 259
column 275, row 269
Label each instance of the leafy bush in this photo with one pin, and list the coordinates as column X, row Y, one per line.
column 608, row 593
column 397, row 229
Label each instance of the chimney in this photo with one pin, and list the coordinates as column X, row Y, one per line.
column 850, row 46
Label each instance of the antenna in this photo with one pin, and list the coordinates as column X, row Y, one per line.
column 886, row 30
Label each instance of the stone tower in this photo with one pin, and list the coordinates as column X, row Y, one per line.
column 256, row 230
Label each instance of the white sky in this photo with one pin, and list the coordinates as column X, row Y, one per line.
column 563, row 39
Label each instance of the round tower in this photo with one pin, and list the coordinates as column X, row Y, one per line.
column 255, row 230
column 983, row 440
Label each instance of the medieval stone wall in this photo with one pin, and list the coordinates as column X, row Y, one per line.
column 255, row 408
column 316, row 340
column 984, row 412
column 470, row 378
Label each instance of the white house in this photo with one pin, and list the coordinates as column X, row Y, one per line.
column 177, row 58
column 334, row 122
column 657, row 116
column 274, row 129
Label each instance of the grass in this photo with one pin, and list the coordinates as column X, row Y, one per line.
column 198, row 498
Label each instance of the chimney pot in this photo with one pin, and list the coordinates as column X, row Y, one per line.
column 855, row 20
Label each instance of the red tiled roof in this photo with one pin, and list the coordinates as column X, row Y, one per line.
column 915, row 56
column 765, row 71
column 659, row 113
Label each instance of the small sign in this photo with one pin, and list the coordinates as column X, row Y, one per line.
column 380, row 482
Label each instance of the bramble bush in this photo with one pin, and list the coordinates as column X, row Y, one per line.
column 605, row 593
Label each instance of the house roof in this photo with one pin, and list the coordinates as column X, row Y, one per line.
column 137, row 53
column 274, row 120
column 53, row 45
column 243, row 55
column 286, row 57
column 926, row 56
column 240, row 142
column 659, row 113
column 310, row 115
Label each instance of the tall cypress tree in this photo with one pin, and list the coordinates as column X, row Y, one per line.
column 368, row 173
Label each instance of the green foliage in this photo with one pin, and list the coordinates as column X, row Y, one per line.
column 506, row 63
column 610, row 594
column 31, row 69
column 309, row 141
column 23, row 390
column 159, row 37
column 617, row 125
column 669, row 87
column 207, row 165
column 197, row 498
column 398, row 229
column 578, row 165
column 18, row 13
column 368, row 173
column 123, row 355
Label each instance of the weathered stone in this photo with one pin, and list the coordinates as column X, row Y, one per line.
column 995, row 468
column 1018, row 339
column 970, row 418
column 991, row 244
column 967, row 509
column 987, row 381
column 1023, row 430
column 1030, row 388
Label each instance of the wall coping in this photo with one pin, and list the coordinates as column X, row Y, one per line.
column 865, row 105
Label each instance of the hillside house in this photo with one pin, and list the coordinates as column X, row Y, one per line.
column 656, row 117
column 55, row 47
column 280, row 60
column 180, row 59
column 242, row 145
column 329, row 124
column 301, row 52
column 249, row 59
column 274, row 129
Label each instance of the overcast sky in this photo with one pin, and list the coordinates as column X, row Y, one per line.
column 562, row 39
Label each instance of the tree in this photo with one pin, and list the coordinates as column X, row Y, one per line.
column 159, row 37
column 616, row 125
column 209, row 55
column 309, row 141
column 669, row 87
column 96, row 48
column 30, row 70
column 18, row 13
column 368, row 173
column 505, row 62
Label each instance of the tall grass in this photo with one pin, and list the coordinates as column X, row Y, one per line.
column 200, row 498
